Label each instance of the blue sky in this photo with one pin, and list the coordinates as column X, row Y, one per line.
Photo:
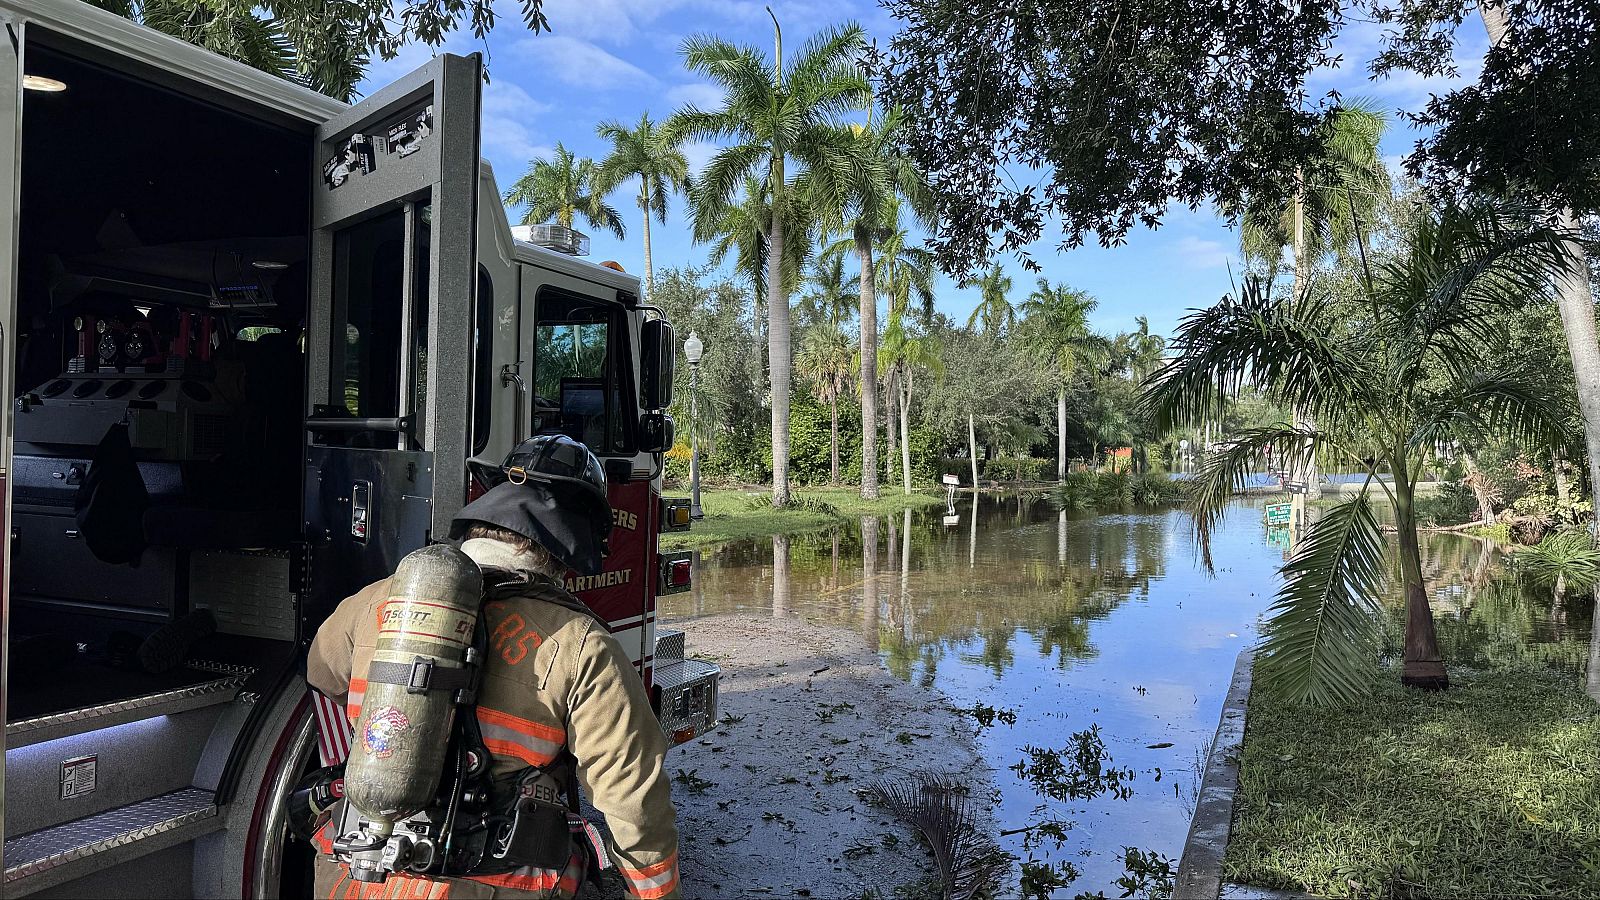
column 613, row 59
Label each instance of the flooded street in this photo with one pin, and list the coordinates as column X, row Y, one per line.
column 1076, row 624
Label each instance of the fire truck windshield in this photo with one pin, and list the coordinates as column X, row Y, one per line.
column 580, row 370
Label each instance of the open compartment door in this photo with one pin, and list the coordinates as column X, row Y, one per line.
column 10, row 199
column 394, row 268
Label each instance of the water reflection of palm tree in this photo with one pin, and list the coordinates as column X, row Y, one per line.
column 869, row 580
column 780, row 576
column 972, row 537
column 908, row 617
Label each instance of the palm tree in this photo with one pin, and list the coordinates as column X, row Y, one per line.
column 1421, row 359
column 1056, row 328
column 901, row 270
column 1144, row 350
column 870, row 213
column 653, row 155
column 829, row 299
column 1334, row 193
column 904, row 355
column 564, row 188
column 994, row 312
column 740, row 230
column 826, row 360
column 773, row 114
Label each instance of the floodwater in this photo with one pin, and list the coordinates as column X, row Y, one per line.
column 1078, row 621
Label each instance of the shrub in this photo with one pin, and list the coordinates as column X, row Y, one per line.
column 1016, row 468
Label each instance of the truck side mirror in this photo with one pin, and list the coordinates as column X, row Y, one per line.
column 657, row 351
column 655, row 432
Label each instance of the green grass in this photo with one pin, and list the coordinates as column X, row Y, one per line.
column 1489, row 789
column 732, row 514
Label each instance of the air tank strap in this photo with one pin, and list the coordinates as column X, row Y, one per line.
column 422, row 675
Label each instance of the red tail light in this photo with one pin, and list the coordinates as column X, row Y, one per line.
column 677, row 570
column 680, row 574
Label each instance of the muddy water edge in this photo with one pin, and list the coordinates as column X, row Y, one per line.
column 1067, row 667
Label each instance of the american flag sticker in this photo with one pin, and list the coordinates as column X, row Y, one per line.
column 333, row 729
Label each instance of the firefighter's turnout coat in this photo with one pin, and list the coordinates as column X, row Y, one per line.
column 554, row 678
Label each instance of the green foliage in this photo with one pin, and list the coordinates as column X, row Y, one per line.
column 1015, row 468
column 563, row 188
column 326, row 46
column 1564, row 555
column 1128, row 108
column 1316, row 645
column 1486, row 790
column 1115, row 490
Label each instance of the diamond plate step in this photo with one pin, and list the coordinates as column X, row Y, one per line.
column 61, row 853
column 688, row 697
column 669, row 644
column 25, row 732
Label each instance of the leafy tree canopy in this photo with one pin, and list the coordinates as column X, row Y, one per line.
column 1527, row 127
column 323, row 45
column 1127, row 105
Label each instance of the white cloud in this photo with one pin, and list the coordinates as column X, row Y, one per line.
column 508, row 111
column 1200, row 253
column 699, row 153
column 581, row 64
column 697, row 93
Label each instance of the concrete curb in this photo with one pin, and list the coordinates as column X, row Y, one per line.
column 1200, row 867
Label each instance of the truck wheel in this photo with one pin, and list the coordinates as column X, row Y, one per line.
column 277, row 863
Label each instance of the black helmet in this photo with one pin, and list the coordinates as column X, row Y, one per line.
column 552, row 490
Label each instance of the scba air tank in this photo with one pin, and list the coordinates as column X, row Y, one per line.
column 425, row 628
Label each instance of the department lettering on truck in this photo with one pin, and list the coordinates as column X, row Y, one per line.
column 256, row 346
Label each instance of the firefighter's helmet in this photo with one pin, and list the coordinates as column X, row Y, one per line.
column 552, row 490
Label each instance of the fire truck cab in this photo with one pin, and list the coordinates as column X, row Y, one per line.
column 256, row 344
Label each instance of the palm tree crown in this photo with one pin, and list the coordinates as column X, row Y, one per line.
column 774, row 113
column 653, row 155
column 1345, row 181
column 994, row 312
column 1055, row 326
column 563, row 188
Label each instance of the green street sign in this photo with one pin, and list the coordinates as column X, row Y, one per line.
column 1279, row 513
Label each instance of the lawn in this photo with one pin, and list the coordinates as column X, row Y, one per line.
column 731, row 514
column 1490, row 789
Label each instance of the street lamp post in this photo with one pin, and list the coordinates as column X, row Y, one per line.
column 692, row 350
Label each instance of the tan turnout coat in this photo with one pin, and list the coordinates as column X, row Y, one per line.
column 554, row 678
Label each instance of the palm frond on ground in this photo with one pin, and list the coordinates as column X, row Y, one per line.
column 937, row 807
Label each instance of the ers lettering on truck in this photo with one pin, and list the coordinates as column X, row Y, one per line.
column 261, row 361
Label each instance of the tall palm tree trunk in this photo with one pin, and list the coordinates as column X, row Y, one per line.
column 905, row 435
column 891, row 394
column 869, row 370
column 1061, row 435
column 1302, row 282
column 649, row 265
column 779, row 364
column 1423, row 665
column 972, row 449
column 1480, row 491
column 1575, row 300
column 833, row 407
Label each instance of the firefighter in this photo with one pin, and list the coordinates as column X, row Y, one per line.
column 558, row 698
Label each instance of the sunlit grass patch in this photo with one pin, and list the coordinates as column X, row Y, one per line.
column 1489, row 789
column 732, row 514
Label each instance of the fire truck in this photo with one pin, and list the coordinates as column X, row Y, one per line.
column 257, row 346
